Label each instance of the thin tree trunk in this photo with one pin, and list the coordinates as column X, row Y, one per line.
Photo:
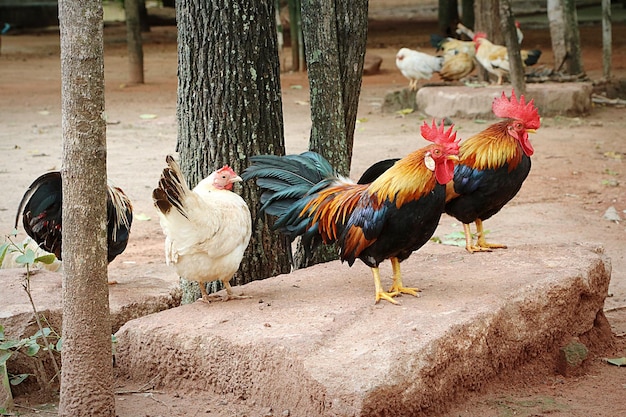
column 487, row 17
column 447, row 17
column 335, row 33
column 516, row 67
column 467, row 13
column 565, row 36
column 606, row 39
column 134, row 42
column 87, row 375
column 229, row 107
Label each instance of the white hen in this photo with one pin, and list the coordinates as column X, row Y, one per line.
column 416, row 65
column 207, row 229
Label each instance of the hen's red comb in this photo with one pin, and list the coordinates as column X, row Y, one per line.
column 519, row 110
column 437, row 134
column 479, row 35
column 227, row 169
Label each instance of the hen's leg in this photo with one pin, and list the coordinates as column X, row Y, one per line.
column 229, row 293
column 397, row 286
column 380, row 294
column 482, row 243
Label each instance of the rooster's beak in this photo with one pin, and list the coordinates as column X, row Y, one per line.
column 531, row 130
column 453, row 158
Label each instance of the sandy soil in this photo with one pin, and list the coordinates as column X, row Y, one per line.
column 578, row 173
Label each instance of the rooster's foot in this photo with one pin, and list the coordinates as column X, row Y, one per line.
column 404, row 290
column 386, row 296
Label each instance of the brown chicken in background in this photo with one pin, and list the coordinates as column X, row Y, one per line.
column 495, row 58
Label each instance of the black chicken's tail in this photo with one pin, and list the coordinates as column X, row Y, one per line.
column 285, row 182
column 41, row 211
column 533, row 57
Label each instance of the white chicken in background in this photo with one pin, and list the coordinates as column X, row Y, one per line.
column 207, row 229
column 416, row 65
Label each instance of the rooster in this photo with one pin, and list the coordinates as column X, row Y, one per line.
column 493, row 165
column 387, row 219
column 41, row 213
column 206, row 229
column 495, row 58
column 416, row 65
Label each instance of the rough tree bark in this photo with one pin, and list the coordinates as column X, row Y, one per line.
column 229, row 107
column 516, row 67
column 335, row 35
column 134, row 42
column 487, row 18
column 447, row 17
column 565, row 36
column 87, row 373
column 606, row 39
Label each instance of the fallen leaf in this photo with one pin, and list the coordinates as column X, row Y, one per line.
column 147, row 116
column 142, row 217
column 616, row 361
column 404, row 112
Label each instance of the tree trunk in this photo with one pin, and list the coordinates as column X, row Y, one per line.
column 335, row 34
column 133, row 40
column 467, row 13
column 606, row 39
column 229, row 107
column 565, row 36
column 516, row 67
column 447, row 17
column 487, row 19
column 87, row 373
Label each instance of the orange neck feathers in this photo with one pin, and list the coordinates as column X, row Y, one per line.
column 491, row 148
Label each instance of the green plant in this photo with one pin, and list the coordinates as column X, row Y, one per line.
column 29, row 346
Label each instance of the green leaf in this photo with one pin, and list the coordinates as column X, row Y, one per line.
column 616, row 361
column 3, row 251
column 27, row 258
column 11, row 344
column 59, row 345
column 46, row 332
column 4, row 357
column 1, row 332
column 141, row 217
column 32, row 349
column 46, row 259
column 18, row 379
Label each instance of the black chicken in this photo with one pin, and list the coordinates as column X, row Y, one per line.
column 41, row 213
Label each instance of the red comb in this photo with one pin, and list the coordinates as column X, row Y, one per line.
column 519, row 110
column 437, row 134
column 227, row 169
column 479, row 35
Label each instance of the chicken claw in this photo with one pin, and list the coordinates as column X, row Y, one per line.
column 397, row 287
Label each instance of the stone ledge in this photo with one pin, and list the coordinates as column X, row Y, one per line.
column 313, row 342
column 552, row 99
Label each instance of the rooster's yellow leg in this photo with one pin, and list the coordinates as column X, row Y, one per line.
column 397, row 286
column 380, row 294
column 482, row 243
column 469, row 242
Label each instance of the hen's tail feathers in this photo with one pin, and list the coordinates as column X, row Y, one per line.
column 533, row 57
column 40, row 209
column 172, row 188
column 119, row 221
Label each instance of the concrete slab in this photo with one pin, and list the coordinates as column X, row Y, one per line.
column 314, row 343
column 552, row 99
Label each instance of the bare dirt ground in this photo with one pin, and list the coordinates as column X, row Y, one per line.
column 578, row 173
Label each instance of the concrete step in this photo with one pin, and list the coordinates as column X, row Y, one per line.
column 313, row 342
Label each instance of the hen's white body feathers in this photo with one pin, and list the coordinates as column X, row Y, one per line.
column 416, row 65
